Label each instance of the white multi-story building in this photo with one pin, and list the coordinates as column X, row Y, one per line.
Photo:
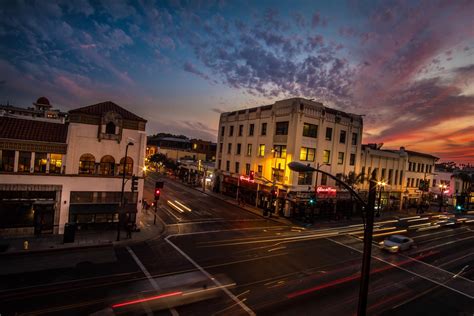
column 262, row 141
column 55, row 172
column 399, row 174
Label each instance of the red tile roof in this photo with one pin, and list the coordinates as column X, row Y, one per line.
column 15, row 128
column 104, row 107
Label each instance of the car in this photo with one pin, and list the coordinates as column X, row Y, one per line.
column 396, row 243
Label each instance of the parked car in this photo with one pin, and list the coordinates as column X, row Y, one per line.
column 396, row 243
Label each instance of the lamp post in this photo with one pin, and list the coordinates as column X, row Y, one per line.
column 317, row 173
column 381, row 185
column 123, row 189
column 442, row 187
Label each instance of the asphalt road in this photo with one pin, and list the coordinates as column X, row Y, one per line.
column 217, row 259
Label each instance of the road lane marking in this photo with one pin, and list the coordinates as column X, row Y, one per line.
column 406, row 270
column 277, row 248
column 445, row 244
column 149, row 277
column 214, row 280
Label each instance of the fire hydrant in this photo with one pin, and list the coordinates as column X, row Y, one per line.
column 25, row 245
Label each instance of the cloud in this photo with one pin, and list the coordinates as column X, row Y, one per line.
column 189, row 67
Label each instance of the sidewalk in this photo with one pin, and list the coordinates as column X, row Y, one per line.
column 84, row 239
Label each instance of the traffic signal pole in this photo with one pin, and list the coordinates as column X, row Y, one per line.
column 367, row 254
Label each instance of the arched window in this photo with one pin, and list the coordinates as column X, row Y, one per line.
column 107, row 166
column 128, row 166
column 87, row 164
column 110, row 128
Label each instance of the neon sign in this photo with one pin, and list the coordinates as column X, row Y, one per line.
column 326, row 191
column 246, row 179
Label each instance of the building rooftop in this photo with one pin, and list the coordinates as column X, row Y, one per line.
column 25, row 129
column 107, row 106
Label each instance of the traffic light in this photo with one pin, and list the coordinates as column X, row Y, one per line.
column 312, row 200
column 157, row 193
column 134, row 183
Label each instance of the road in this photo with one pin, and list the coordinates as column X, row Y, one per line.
column 217, row 259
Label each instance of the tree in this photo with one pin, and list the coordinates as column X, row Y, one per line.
column 353, row 179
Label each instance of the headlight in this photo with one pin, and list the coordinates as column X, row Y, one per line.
column 394, row 247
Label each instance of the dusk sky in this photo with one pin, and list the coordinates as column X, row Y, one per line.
column 408, row 66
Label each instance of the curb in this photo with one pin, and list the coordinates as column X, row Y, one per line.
column 52, row 250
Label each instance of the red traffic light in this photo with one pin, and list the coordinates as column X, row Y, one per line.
column 157, row 192
column 252, row 175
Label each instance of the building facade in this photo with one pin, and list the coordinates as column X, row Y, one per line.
column 176, row 148
column 261, row 142
column 399, row 175
column 53, row 173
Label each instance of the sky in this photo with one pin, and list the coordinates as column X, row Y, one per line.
column 407, row 66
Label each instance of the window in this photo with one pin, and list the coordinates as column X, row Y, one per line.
column 24, row 161
column 237, row 167
column 324, row 179
column 227, row 166
column 241, row 130
column 390, row 176
column 55, row 163
column 279, row 151
column 107, row 166
column 326, row 156
column 340, row 158
column 419, row 168
column 305, row 178
column 229, row 148
column 417, row 183
column 434, row 182
column 247, row 169
column 412, row 182
column 239, row 148
column 369, row 173
column 307, row 154
column 409, row 166
column 342, row 137
column 281, row 128
column 219, row 164
column 128, row 166
column 354, row 138
column 251, row 129
column 231, row 131
column 264, row 129
column 408, row 182
column 8, row 161
column 383, row 174
column 87, row 164
column 260, row 169
column 220, row 147
column 328, row 133
column 396, row 177
column 278, row 174
column 310, row 130
column 110, row 128
column 261, row 150
column 222, row 131
column 249, row 149
column 41, row 161
column 352, row 160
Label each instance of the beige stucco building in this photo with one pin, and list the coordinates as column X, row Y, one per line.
column 399, row 174
column 262, row 141
column 52, row 173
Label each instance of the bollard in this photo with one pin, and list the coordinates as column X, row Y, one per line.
column 25, row 245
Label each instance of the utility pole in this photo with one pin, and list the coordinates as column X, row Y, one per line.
column 122, row 207
column 367, row 254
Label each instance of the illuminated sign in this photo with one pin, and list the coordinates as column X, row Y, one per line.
column 247, row 179
column 325, row 191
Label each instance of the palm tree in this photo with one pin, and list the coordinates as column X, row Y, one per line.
column 353, row 179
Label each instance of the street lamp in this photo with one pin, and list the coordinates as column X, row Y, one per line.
column 122, row 207
column 317, row 173
column 442, row 187
column 381, row 185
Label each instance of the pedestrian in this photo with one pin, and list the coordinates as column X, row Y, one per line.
column 129, row 228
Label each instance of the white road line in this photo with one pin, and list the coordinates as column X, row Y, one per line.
column 441, row 245
column 216, row 282
column 403, row 269
column 149, row 277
